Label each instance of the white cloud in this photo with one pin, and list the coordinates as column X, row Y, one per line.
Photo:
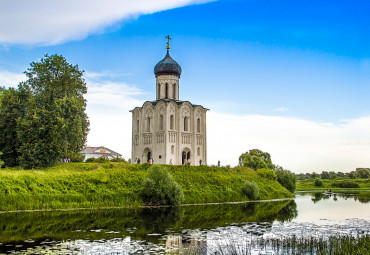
column 108, row 106
column 296, row 144
column 10, row 79
column 52, row 22
column 282, row 109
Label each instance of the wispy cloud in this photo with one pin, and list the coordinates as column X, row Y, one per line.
column 282, row 109
column 10, row 79
column 53, row 22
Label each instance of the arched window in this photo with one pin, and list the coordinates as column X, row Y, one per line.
column 166, row 92
column 186, row 124
column 171, row 122
column 198, row 151
column 173, row 149
column 174, row 91
column 198, row 125
column 161, row 122
column 159, row 90
column 137, row 126
column 148, row 124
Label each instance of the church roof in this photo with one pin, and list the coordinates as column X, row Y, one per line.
column 101, row 150
column 167, row 66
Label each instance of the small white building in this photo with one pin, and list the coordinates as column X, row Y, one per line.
column 169, row 130
column 99, row 152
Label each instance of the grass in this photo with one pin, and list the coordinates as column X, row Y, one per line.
column 94, row 185
column 309, row 185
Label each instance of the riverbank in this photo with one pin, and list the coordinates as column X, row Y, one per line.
column 95, row 185
column 309, row 185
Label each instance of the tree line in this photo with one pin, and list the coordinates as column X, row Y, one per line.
column 44, row 118
column 359, row 173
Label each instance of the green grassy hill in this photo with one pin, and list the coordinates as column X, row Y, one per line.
column 93, row 185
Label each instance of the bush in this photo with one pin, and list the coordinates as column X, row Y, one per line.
column 287, row 179
column 77, row 157
column 345, row 184
column 118, row 160
column 90, row 160
column 97, row 160
column 318, row 182
column 267, row 173
column 250, row 190
column 159, row 188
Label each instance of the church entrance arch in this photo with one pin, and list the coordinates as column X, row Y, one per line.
column 185, row 156
column 147, row 155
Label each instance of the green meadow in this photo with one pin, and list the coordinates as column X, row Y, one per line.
column 334, row 184
column 113, row 184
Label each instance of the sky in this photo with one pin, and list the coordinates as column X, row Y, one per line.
column 291, row 78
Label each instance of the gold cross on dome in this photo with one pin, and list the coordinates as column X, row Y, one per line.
column 168, row 42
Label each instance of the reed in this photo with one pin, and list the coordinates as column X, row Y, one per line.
column 333, row 245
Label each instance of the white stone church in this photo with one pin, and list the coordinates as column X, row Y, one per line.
column 169, row 130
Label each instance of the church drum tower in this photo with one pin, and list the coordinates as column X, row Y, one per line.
column 168, row 130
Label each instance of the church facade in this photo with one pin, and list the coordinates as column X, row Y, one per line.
column 169, row 130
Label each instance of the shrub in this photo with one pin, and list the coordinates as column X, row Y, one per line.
column 97, row 160
column 118, row 160
column 345, row 184
column 77, row 157
column 318, row 182
column 287, row 179
column 250, row 190
column 159, row 188
column 267, row 173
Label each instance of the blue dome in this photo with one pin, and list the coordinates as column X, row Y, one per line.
column 167, row 66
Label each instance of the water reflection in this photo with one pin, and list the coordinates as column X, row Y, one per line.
column 360, row 196
column 164, row 230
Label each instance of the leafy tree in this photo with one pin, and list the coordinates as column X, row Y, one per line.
column 325, row 175
column 363, row 173
column 333, row 175
column 55, row 124
column 287, row 179
column 13, row 106
column 351, row 175
column 256, row 159
column 341, row 174
column 314, row 176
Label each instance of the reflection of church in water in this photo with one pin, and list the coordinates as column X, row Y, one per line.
column 168, row 130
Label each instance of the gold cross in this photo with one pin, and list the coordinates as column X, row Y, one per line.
column 168, row 42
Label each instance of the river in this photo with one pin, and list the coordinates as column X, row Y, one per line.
column 174, row 229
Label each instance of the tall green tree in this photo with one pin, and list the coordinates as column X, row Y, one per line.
column 13, row 107
column 256, row 159
column 55, row 123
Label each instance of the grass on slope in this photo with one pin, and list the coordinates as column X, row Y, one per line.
column 89, row 185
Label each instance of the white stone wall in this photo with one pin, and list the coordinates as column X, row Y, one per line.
column 167, row 87
column 166, row 143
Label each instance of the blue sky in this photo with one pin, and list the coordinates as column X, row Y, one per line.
column 297, row 70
